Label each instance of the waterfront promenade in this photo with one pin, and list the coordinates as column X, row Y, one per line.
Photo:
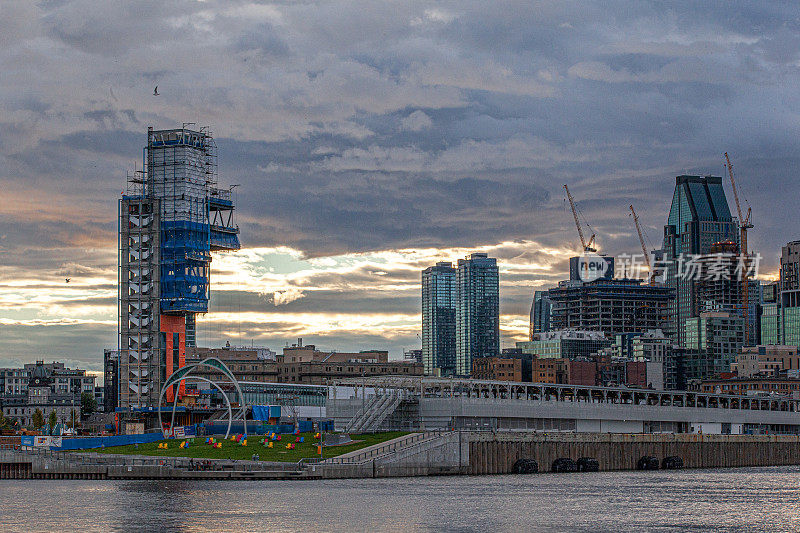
column 424, row 454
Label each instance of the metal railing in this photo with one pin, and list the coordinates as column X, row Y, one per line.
column 113, row 460
column 385, row 449
column 306, row 461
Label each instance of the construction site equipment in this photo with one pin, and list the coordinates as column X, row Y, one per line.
column 587, row 246
column 652, row 276
column 744, row 225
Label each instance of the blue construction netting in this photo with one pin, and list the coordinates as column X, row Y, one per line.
column 185, row 257
column 85, row 443
column 225, row 240
column 265, row 412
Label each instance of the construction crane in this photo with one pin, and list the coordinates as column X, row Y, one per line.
column 744, row 225
column 644, row 248
column 587, row 246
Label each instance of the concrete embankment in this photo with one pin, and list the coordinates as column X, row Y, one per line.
column 496, row 453
column 422, row 454
column 479, row 453
column 67, row 465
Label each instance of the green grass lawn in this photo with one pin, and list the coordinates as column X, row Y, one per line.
column 232, row 450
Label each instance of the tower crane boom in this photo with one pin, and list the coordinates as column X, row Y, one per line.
column 587, row 246
column 744, row 225
column 641, row 241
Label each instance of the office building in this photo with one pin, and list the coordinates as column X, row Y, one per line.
column 699, row 217
column 755, row 303
column 565, row 344
column 439, row 319
column 790, row 294
column 770, row 318
column 540, row 314
column 719, row 336
column 780, row 311
column 172, row 216
column 477, row 311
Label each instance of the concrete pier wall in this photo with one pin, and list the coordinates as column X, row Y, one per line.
column 496, row 453
column 479, row 453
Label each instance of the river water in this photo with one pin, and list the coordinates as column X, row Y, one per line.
column 745, row 499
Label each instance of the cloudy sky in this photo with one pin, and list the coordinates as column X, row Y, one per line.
column 371, row 140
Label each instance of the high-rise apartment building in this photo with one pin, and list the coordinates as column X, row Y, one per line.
column 439, row 319
column 698, row 218
column 171, row 218
column 477, row 311
column 540, row 313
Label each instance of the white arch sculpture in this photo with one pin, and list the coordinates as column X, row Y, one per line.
column 181, row 374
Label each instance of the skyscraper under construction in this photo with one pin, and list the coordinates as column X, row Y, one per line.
column 172, row 216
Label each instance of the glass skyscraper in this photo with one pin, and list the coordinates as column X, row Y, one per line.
column 699, row 217
column 439, row 318
column 477, row 311
column 780, row 319
column 540, row 313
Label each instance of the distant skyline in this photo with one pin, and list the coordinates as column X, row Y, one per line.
column 371, row 141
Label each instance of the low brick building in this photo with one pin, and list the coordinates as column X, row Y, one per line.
column 550, row 370
column 752, row 386
column 302, row 364
column 497, row 369
column 766, row 360
column 582, row 373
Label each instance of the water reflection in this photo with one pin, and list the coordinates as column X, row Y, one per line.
column 754, row 499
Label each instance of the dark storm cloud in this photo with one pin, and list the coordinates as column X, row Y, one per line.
column 321, row 301
column 398, row 210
